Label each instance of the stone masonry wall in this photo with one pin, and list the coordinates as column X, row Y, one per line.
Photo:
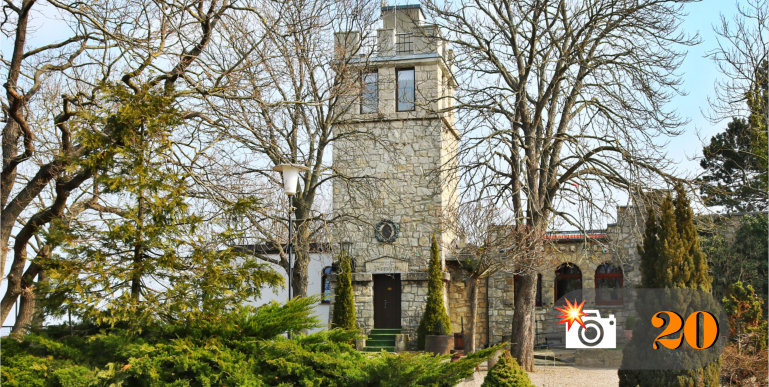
column 619, row 249
column 363, row 294
column 459, row 305
column 413, row 300
column 501, row 309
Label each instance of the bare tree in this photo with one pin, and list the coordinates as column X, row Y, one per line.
column 556, row 95
column 293, row 88
column 741, row 54
column 488, row 243
column 735, row 160
column 160, row 49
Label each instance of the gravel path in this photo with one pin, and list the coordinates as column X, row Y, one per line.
column 545, row 376
column 574, row 376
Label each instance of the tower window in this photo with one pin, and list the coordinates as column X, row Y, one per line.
column 404, row 94
column 369, row 94
column 404, row 43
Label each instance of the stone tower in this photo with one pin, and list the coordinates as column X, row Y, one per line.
column 395, row 154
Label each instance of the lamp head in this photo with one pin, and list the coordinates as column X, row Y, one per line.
column 290, row 173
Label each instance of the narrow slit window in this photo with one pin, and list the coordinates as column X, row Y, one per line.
column 325, row 285
column 517, row 285
column 405, row 91
column 369, row 95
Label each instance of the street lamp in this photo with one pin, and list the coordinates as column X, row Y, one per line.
column 290, row 174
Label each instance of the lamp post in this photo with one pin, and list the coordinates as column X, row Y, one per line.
column 290, row 174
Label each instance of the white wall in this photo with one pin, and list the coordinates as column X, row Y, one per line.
column 317, row 262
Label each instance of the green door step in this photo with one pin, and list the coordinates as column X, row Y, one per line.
column 381, row 336
column 389, row 331
column 380, row 343
column 381, row 339
column 379, row 348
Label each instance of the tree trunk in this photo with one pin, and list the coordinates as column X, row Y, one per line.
column 27, row 305
column 38, row 318
column 138, row 255
column 136, row 275
column 523, row 321
column 27, row 302
column 470, row 344
column 12, row 129
column 299, row 280
column 26, row 312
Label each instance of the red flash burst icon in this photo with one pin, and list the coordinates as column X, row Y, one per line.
column 571, row 313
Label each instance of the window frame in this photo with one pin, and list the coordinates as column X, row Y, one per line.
column 609, row 276
column 323, row 281
column 363, row 88
column 404, row 43
column 413, row 87
column 567, row 276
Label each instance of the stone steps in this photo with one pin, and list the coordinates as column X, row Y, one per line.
column 381, row 340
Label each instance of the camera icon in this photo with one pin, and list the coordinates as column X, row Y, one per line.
column 598, row 332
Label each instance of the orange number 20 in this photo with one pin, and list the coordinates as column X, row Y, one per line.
column 693, row 330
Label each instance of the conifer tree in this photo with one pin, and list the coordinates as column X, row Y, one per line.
column 507, row 373
column 435, row 320
column 144, row 254
column 693, row 272
column 647, row 251
column 671, row 258
column 344, row 302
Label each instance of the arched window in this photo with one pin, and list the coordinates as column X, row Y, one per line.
column 568, row 278
column 608, row 284
column 516, row 286
column 325, row 285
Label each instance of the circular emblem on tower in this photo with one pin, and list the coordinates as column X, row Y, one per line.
column 386, row 231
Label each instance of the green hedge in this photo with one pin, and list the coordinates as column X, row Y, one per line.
column 243, row 348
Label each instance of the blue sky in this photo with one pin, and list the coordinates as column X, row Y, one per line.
column 699, row 74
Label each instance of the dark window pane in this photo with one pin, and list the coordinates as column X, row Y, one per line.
column 325, row 285
column 608, row 284
column 517, row 285
column 369, row 97
column 539, row 290
column 387, row 231
column 405, row 92
column 568, row 278
column 404, row 44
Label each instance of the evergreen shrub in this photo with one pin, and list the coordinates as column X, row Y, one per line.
column 344, row 303
column 435, row 320
column 507, row 373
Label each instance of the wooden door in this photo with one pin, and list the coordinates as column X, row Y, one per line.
column 387, row 300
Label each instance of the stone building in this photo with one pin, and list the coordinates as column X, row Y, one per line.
column 596, row 264
column 393, row 139
column 397, row 140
